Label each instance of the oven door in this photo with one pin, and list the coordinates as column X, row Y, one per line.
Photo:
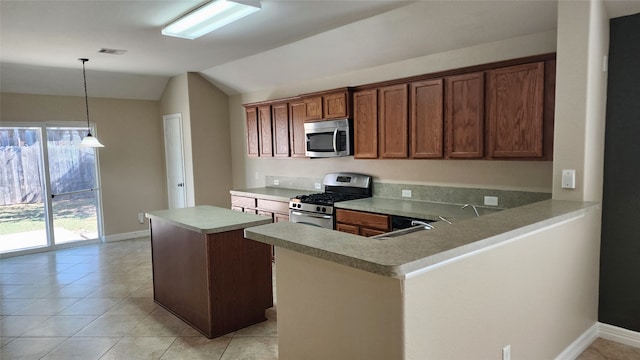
column 309, row 218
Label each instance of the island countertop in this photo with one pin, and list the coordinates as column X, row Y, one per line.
column 206, row 219
column 400, row 256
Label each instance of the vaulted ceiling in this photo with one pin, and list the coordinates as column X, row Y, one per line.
column 286, row 42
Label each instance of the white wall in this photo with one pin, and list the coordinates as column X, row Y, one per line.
column 538, row 293
column 516, row 175
column 583, row 41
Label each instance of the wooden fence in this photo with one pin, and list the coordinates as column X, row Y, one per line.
column 71, row 168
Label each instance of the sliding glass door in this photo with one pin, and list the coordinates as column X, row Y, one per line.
column 23, row 201
column 53, row 187
column 72, row 177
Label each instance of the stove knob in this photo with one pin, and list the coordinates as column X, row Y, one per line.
column 317, row 208
column 299, row 206
column 324, row 209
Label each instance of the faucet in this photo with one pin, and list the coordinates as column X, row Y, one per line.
column 475, row 210
column 426, row 225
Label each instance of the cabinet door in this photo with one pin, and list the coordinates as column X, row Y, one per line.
column 393, row 121
column 364, row 219
column 280, row 217
column 370, row 232
column 515, row 106
column 298, row 143
column 426, row 118
column 335, row 106
column 351, row 229
column 264, row 126
column 464, row 115
column 280, row 117
column 252, row 132
column 313, row 108
column 365, row 124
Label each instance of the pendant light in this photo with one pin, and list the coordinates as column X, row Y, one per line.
column 89, row 140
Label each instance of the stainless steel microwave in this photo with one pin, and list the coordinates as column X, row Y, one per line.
column 330, row 138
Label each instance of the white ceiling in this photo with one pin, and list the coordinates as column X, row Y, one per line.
column 285, row 42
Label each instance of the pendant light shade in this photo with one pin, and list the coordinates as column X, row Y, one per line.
column 89, row 140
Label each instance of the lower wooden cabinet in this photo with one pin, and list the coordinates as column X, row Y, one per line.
column 362, row 223
column 276, row 210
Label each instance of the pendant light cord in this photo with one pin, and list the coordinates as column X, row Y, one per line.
column 86, row 97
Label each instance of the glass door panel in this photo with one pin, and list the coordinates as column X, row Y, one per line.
column 72, row 174
column 23, row 220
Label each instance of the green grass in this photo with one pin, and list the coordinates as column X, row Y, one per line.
column 78, row 215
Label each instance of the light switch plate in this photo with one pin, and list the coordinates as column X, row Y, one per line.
column 568, row 179
column 276, row 182
column 317, row 186
column 406, row 193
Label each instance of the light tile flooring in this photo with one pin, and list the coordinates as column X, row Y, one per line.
column 96, row 302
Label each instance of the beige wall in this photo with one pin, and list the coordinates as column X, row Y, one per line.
column 131, row 163
column 331, row 311
column 520, row 175
column 537, row 293
column 206, row 139
column 583, row 41
column 211, row 143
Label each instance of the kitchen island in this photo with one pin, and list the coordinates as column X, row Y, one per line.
column 206, row 272
column 523, row 277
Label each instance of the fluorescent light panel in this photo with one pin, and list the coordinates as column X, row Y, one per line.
column 209, row 17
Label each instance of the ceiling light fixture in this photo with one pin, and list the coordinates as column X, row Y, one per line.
column 211, row 16
column 89, row 140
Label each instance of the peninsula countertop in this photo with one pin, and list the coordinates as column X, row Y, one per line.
column 206, row 219
column 400, row 256
column 418, row 209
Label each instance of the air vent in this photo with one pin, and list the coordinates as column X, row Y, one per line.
column 111, row 51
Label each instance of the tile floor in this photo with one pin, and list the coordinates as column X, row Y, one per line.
column 96, row 302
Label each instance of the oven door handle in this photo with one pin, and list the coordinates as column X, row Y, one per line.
column 297, row 213
column 335, row 140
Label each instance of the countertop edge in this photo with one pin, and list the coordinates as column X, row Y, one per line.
column 409, row 268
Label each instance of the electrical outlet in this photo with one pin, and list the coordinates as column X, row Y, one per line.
column 506, row 352
column 276, row 182
column 317, row 186
column 406, row 193
column 491, row 200
column 141, row 218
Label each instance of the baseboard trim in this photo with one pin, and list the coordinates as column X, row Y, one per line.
column 127, row 236
column 580, row 344
column 605, row 331
column 618, row 334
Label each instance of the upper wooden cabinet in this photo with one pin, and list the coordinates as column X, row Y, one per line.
column 426, row 119
column 252, row 132
column 264, row 129
column 313, row 108
column 336, row 106
column 464, row 115
column 280, row 121
column 297, row 141
column 327, row 106
column 393, row 121
column 515, row 107
column 365, row 124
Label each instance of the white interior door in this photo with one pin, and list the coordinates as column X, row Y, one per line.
column 174, row 155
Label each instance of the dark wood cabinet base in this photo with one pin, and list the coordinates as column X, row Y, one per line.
column 217, row 283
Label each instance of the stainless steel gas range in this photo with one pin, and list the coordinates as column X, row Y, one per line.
column 317, row 209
